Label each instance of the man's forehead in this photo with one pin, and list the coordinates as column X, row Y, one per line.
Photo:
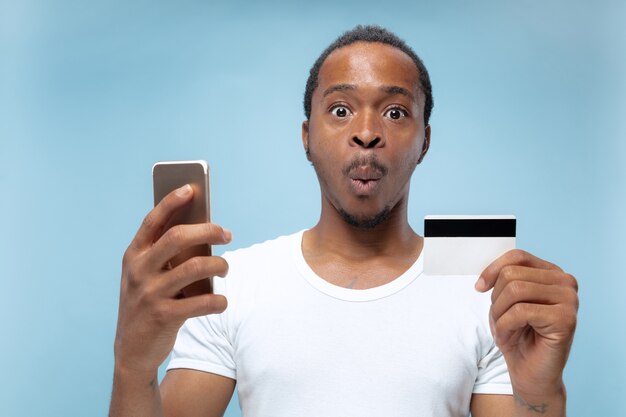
column 369, row 64
column 387, row 89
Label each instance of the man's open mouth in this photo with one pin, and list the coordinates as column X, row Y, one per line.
column 364, row 185
column 365, row 176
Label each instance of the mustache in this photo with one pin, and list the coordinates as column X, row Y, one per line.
column 370, row 161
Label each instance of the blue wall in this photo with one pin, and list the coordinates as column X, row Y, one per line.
column 530, row 99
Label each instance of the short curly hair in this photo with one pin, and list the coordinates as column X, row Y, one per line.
column 369, row 33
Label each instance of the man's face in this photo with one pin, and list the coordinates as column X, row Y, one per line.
column 366, row 132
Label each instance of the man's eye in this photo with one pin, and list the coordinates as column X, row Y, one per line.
column 340, row 111
column 395, row 114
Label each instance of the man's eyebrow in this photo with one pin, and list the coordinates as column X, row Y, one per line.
column 338, row 87
column 394, row 89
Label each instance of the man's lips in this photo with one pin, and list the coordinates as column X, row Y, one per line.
column 364, row 187
column 365, row 175
column 365, row 179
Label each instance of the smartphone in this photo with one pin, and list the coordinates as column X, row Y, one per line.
column 170, row 175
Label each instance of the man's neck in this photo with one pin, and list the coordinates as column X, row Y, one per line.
column 340, row 252
column 352, row 242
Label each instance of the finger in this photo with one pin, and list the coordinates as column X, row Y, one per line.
column 192, row 270
column 199, row 305
column 183, row 236
column 551, row 321
column 154, row 221
column 519, row 257
column 513, row 273
column 533, row 293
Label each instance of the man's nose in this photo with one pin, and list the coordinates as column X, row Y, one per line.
column 368, row 131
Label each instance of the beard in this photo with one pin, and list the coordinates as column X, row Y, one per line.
column 365, row 222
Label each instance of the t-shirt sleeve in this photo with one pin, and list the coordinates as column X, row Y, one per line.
column 493, row 375
column 203, row 344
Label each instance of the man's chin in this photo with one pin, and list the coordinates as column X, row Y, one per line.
column 365, row 222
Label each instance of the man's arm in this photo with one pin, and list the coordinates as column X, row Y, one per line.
column 151, row 312
column 183, row 393
column 190, row 393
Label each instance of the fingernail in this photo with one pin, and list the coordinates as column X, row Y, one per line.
column 481, row 284
column 228, row 235
column 184, row 190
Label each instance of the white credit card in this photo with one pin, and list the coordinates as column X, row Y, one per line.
column 465, row 245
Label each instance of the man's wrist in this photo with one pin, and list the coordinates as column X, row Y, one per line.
column 141, row 377
column 549, row 403
column 135, row 393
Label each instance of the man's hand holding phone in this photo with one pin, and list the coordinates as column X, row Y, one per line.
column 152, row 309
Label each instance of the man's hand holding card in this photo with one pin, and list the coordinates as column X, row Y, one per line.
column 533, row 310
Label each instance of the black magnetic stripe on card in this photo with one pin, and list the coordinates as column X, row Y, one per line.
column 469, row 227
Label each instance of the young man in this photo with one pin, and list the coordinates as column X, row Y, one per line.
column 339, row 320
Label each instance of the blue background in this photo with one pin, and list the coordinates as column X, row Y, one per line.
column 530, row 99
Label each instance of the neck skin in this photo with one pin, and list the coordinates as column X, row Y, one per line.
column 343, row 254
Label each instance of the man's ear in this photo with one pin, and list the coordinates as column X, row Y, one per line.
column 305, row 139
column 425, row 145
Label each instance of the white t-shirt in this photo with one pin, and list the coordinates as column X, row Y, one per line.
column 300, row 346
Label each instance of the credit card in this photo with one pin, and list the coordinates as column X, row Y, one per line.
column 465, row 245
